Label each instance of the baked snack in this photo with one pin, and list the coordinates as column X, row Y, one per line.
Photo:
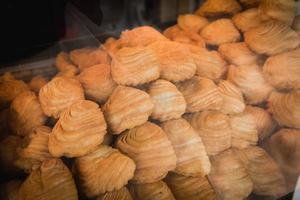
column 58, row 94
column 135, row 66
column 251, row 82
column 26, row 114
column 200, row 94
column 283, row 70
column 35, row 150
column 244, row 131
column 52, row 181
column 118, row 168
column 238, row 53
column 97, row 82
column 175, row 60
column 265, row 124
column 247, row 19
column 233, row 101
column 229, row 177
column 150, row 149
column 122, row 114
column 37, row 82
column 63, row 63
column 192, row 159
column 169, row 103
column 190, row 22
column 214, row 129
column 79, row 130
column 215, row 8
column 272, row 38
column 121, row 194
column 285, row 108
column 220, row 31
column 151, row 191
column 190, row 188
column 87, row 57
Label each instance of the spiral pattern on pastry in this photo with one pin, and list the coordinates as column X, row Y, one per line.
column 58, row 94
column 150, row 149
column 219, row 32
column 26, row 114
column 104, row 170
column 247, row 19
column 272, row 38
column 135, row 66
column 192, row 159
column 175, row 60
column 168, row 101
column 265, row 124
column 190, row 22
column 121, row 194
column 200, row 94
column 210, row 64
column 151, row 191
column 285, row 108
column 190, row 188
column 52, row 181
column 214, row 129
column 32, row 154
column 251, row 82
column 215, row 8
column 79, row 130
column 233, row 101
column 283, row 70
column 97, row 82
column 229, row 177
column 126, row 108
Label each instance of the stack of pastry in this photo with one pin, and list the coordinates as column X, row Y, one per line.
column 208, row 109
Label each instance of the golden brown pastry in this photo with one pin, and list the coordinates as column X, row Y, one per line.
column 87, row 57
column 35, row 150
column 214, row 129
column 250, row 3
column 79, row 130
column 272, row 38
column 52, row 181
column 135, row 66
column 26, row 114
column 285, row 108
column 238, row 53
column 265, row 124
column 210, row 64
column 244, row 131
column 63, row 63
column 248, row 19
column 283, row 70
column 233, row 101
column 229, row 177
column 121, row 194
column 215, row 8
column 151, row 191
column 37, row 82
column 97, row 82
column 264, row 172
column 58, row 94
column 220, row 31
column 140, row 36
column 192, row 159
column 110, row 44
column 104, row 170
column 190, row 22
column 200, row 94
column 8, row 155
column 284, row 147
column 175, row 60
column 190, row 188
column 9, row 190
column 66, row 74
column 10, row 88
column 126, row 108
column 150, row 149
column 169, row 103
column 281, row 10
column 251, row 82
